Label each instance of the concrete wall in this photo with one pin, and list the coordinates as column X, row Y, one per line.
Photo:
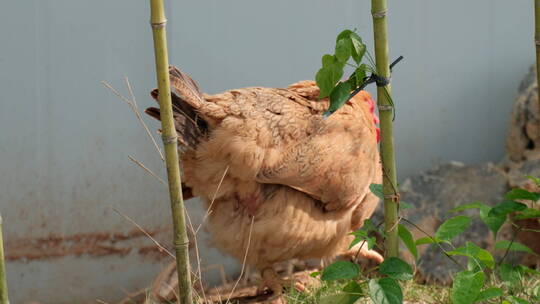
column 64, row 139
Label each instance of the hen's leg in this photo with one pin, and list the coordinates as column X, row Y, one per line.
column 275, row 283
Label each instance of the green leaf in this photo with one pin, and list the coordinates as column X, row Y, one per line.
column 345, row 34
column 471, row 250
column 330, row 73
column 351, row 293
column 369, row 226
column 385, row 291
column 514, row 246
column 525, row 269
column 315, row 274
column 527, row 214
column 343, row 49
column 396, row 268
column 362, row 235
column 516, row 300
column 377, row 189
column 329, row 60
column 522, row 194
column 506, row 207
column 510, row 274
column 327, row 77
column 472, row 205
column 535, row 180
column 339, row 95
column 490, row 293
column 340, row 270
column 360, row 74
column 466, row 287
column 494, row 222
column 359, row 48
column 426, row 240
column 453, row 227
column 406, row 237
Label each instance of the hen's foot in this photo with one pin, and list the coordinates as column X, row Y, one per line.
column 272, row 281
column 360, row 253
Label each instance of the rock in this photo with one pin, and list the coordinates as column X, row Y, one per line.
column 524, row 132
column 432, row 194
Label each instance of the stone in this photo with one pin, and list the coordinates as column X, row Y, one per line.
column 524, row 130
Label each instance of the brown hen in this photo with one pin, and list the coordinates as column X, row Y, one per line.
column 278, row 179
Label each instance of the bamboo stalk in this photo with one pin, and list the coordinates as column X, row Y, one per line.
column 169, row 137
column 3, row 281
column 384, row 93
column 537, row 42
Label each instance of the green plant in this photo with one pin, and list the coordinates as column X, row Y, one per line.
column 483, row 279
column 158, row 21
column 351, row 51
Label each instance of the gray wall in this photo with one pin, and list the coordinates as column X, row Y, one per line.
column 64, row 139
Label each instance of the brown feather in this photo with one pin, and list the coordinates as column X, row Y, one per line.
column 269, row 154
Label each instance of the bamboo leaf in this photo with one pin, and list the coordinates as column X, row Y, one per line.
column 385, row 291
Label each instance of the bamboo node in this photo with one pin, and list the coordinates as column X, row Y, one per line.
column 393, row 197
column 537, row 42
column 178, row 245
column 385, row 107
column 158, row 25
column 169, row 139
column 379, row 15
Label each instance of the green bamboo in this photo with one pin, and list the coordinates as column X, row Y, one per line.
column 169, row 137
column 3, row 281
column 537, row 42
column 384, row 100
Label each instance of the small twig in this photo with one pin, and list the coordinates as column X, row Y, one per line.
column 209, row 210
column 243, row 261
column 140, row 164
column 524, row 229
column 197, row 255
column 160, row 247
column 509, row 245
column 435, row 241
column 133, row 105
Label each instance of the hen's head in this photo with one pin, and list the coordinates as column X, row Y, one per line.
column 366, row 97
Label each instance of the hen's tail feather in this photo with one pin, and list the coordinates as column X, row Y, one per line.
column 189, row 127
column 186, row 87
